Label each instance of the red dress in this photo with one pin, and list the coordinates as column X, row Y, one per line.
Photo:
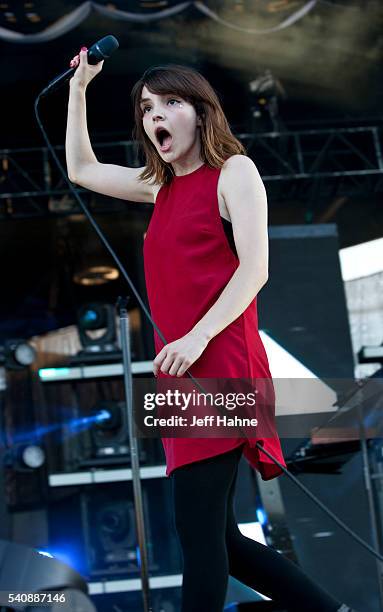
column 187, row 263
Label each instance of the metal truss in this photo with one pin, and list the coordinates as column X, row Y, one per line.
column 327, row 162
column 316, row 153
column 322, row 164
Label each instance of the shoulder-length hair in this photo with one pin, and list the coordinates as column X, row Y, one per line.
column 217, row 141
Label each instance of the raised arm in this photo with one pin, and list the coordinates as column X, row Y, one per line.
column 83, row 167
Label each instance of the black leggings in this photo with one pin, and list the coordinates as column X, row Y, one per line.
column 213, row 546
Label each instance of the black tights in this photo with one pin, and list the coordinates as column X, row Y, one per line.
column 213, row 546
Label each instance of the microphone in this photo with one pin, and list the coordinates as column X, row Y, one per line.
column 99, row 51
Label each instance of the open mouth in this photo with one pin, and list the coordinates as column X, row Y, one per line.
column 164, row 138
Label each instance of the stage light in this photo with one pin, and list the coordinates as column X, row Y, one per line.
column 109, row 433
column 97, row 317
column 106, row 429
column 96, row 275
column 33, row 456
column 69, row 557
column 261, row 516
column 109, row 524
column 45, row 553
column 17, row 354
column 24, row 457
column 265, row 91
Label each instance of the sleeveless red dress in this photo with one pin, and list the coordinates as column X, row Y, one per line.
column 187, row 263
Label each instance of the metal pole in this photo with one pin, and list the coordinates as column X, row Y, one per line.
column 137, row 491
column 370, row 497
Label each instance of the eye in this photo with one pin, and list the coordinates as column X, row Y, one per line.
column 174, row 100
column 145, row 108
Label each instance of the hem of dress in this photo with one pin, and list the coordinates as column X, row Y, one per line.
column 266, row 475
column 170, row 472
column 266, row 467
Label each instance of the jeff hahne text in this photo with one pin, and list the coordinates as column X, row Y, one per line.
column 185, row 401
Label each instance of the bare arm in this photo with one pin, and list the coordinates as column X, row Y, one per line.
column 246, row 200
column 82, row 164
column 78, row 150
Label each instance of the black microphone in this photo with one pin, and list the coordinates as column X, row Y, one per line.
column 99, row 51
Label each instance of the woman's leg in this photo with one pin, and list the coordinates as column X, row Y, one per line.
column 213, row 546
column 200, row 494
column 270, row 573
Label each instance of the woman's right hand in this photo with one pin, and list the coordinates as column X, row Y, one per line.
column 85, row 72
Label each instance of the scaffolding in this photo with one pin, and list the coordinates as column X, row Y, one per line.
column 328, row 162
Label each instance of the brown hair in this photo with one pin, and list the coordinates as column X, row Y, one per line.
column 217, row 141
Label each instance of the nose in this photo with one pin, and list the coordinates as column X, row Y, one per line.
column 157, row 115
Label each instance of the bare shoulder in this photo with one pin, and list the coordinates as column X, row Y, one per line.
column 239, row 165
column 238, row 173
column 238, row 162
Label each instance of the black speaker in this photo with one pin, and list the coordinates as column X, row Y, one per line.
column 109, row 530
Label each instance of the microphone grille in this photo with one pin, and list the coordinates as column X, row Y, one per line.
column 108, row 44
column 102, row 49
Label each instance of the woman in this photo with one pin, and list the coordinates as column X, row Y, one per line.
column 202, row 281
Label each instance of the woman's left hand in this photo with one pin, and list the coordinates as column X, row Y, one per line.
column 176, row 357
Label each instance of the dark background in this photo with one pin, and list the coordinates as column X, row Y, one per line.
column 329, row 62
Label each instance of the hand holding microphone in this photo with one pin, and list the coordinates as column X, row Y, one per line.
column 84, row 72
column 85, row 65
column 76, row 59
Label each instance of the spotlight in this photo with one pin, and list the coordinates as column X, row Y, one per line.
column 108, row 430
column 265, row 91
column 109, row 528
column 109, row 435
column 265, row 85
column 100, row 318
column 17, row 354
column 25, row 457
column 33, row 456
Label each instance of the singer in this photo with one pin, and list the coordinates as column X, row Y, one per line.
column 205, row 259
